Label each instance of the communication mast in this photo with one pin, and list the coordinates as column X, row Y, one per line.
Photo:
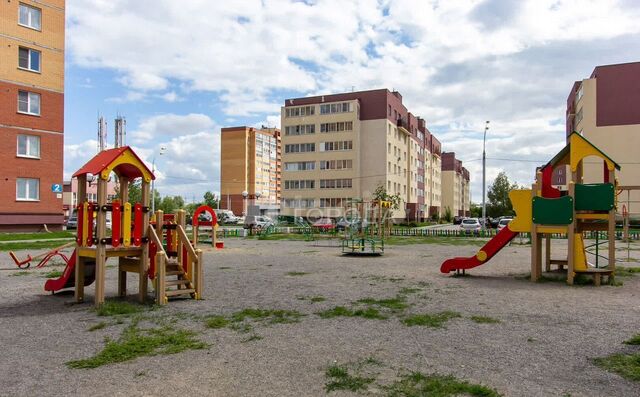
column 102, row 134
column 120, row 131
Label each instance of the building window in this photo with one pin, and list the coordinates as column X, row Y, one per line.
column 29, row 102
column 336, row 108
column 300, row 148
column 389, row 110
column 28, row 59
column 299, row 184
column 27, row 189
column 300, row 129
column 29, row 16
column 579, row 116
column 336, row 146
column 299, row 111
column 336, row 127
column 299, row 203
column 336, row 164
column 336, row 183
column 333, row 202
column 300, row 166
column 29, row 146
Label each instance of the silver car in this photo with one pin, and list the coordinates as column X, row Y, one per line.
column 470, row 225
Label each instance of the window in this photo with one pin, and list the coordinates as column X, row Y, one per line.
column 299, row 111
column 336, row 108
column 300, row 166
column 28, row 59
column 29, row 146
column 299, row 184
column 579, row 116
column 29, row 102
column 29, row 16
column 27, row 189
column 336, row 164
column 336, row 183
column 300, row 129
column 333, row 202
column 336, row 146
column 300, row 148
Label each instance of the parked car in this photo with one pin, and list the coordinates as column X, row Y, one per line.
column 344, row 223
column 72, row 222
column 503, row 223
column 470, row 225
column 257, row 222
column 496, row 221
column 227, row 217
column 457, row 219
column 324, row 224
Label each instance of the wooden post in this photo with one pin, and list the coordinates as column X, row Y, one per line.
column 122, row 280
column 571, row 231
column 101, row 249
column 612, row 233
column 181, row 222
column 81, row 197
column 199, row 274
column 161, row 269
column 143, row 271
column 547, row 252
column 536, row 261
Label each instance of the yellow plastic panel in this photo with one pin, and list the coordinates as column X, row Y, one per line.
column 521, row 201
column 126, row 157
column 579, row 256
column 126, row 225
column 580, row 149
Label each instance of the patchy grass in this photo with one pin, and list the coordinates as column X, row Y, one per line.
column 268, row 315
column 341, row 311
column 32, row 245
column 338, row 378
column 485, row 320
column 97, row 326
column 623, row 271
column 625, row 365
column 409, row 290
column 430, row 320
column 251, row 338
column 19, row 274
column 452, row 240
column 418, row 384
column 395, row 304
column 36, row 236
column 297, row 273
column 312, row 299
column 633, row 341
column 216, row 322
column 117, row 308
column 136, row 342
column 52, row 274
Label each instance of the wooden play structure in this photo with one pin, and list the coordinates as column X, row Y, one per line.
column 197, row 223
column 370, row 226
column 139, row 246
column 544, row 210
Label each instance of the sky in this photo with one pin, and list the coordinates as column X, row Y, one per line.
column 178, row 71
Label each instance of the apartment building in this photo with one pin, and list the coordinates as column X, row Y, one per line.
column 343, row 146
column 604, row 109
column 250, row 162
column 31, row 113
column 455, row 185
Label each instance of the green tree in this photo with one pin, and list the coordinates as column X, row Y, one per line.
column 475, row 210
column 448, row 217
column 381, row 194
column 169, row 204
column 211, row 200
column 498, row 196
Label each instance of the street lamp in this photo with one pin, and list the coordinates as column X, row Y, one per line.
column 484, row 177
column 153, row 185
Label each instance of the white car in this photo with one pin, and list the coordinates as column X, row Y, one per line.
column 503, row 223
column 470, row 225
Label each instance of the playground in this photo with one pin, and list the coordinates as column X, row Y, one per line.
column 287, row 317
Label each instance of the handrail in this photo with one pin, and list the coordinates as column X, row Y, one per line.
column 156, row 240
column 186, row 243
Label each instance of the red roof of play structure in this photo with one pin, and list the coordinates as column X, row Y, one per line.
column 102, row 160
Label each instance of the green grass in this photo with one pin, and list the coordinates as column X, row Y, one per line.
column 623, row 271
column 312, row 299
column 31, row 245
column 338, row 378
column 341, row 311
column 625, row 365
column 297, row 273
column 268, row 315
column 251, row 338
column 136, row 342
column 430, row 320
column 216, row 322
column 409, row 290
column 395, row 304
column 452, row 240
column 633, row 341
column 484, row 320
column 52, row 274
column 418, row 384
column 117, row 308
column 35, row 236
column 19, row 274
column 97, row 326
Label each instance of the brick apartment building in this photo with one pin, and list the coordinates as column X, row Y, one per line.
column 605, row 109
column 31, row 113
column 342, row 146
column 250, row 162
column 455, row 185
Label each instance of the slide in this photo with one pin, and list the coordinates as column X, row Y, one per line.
column 68, row 278
column 487, row 252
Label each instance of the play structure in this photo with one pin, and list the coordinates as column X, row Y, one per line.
column 544, row 210
column 196, row 223
column 366, row 232
column 305, row 228
column 153, row 252
column 42, row 258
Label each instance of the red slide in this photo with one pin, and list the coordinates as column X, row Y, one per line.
column 68, row 278
column 487, row 252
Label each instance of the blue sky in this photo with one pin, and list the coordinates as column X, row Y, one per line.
column 178, row 71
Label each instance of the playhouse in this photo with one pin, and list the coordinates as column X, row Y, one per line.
column 544, row 211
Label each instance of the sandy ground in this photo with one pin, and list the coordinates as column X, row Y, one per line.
column 543, row 346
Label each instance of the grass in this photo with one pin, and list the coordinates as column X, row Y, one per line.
column 395, row 304
column 623, row 271
column 340, row 379
column 633, row 341
column 341, row 311
column 97, row 326
column 31, row 245
column 418, row 384
column 216, row 322
column 430, row 320
column 251, row 338
column 35, row 236
column 136, row 342
column 268, row 315
column 312, row 299
column 19, row 274
column 117, row 308
column 296, row 273
column 452, row 240
column 625, row 365
column 485, row 320
column 409, row 290
column 52, row 274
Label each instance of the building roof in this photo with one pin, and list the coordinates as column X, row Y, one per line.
column 123, row 161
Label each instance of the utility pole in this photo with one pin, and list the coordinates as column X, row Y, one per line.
column 153, row 184
column 484, row 177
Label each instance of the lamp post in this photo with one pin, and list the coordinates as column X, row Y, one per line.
column 252, row 197
column 153, row 184
column 484, row 177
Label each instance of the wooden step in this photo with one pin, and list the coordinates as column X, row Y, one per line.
column 177, row 292
column 175, row 272
column 169, row 283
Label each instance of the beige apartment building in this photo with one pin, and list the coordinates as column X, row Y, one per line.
column 250, row 162
column 343, row 146
column 455, row 186
column 605, row 109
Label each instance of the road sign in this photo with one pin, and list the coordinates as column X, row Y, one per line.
column 56, row 188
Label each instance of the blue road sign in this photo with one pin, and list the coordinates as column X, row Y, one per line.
column 56, row 188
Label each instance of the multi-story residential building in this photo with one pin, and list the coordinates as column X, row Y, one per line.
column 31, row 113
column 455, row 185
column 250, row 162
column 343, row 146
column 604, row 109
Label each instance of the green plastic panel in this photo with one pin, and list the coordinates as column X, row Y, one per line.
column 595, row 197
column 552, row 211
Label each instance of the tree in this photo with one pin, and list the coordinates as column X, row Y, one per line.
column 498, row 195
column 475, row 210
column 211, row 200
column 447, row 214
column 381, row 194
column 169, row 204
column 135, row 191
